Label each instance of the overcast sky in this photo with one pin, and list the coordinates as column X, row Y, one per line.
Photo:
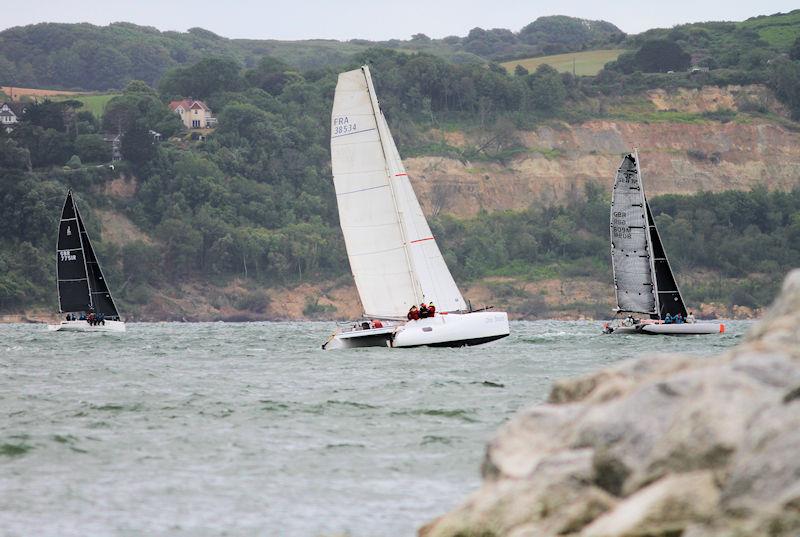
column 377, row 19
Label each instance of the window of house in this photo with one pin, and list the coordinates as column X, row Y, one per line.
column 195, row 123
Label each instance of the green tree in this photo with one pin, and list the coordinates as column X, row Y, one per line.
column 547, row 89
column 661, row 55
column 203, row 79
column 92, row 148
column 138, row 145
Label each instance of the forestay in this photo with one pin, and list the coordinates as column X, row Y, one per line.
column 394, row 258
column 630, row 241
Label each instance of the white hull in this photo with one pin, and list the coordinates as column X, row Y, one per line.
column 443, row 330
column 684, row 329
column 83, row 326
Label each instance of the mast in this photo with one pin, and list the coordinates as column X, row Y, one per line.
column 648, row 224
column 83, row 248
column 378, row 113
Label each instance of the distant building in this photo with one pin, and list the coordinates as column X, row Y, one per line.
column 194, row 114
column 10, row 113
column 116, row 146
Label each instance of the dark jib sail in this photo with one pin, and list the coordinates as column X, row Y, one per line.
column 670, row 300
column 81, row 285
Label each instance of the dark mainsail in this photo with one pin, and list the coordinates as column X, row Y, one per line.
column 670, row 300
column 81, row 285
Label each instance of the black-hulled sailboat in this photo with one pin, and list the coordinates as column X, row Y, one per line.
column 83, row 294
column 647, row 293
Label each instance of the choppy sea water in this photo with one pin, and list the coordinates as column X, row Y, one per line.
column 251, row 429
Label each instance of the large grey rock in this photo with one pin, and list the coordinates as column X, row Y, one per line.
column 659, row 446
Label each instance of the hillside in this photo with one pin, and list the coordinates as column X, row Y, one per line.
column 511, row 168
column 89, row 57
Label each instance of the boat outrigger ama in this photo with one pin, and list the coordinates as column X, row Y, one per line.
column 83, row 294
column 643, row 279
column 393, row 256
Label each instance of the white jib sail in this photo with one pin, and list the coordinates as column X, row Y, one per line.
column 395, row 260
column 630, row 243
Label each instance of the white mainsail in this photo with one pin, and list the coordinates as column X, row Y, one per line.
column 394, row 258
column 630, row 241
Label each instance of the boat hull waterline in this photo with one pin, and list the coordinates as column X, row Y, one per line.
column 444, row 330
column 685, row 329
column 84, row 326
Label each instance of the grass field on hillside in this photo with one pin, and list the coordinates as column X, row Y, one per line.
column 93, row 102
column 588, row 62
column 777, row 30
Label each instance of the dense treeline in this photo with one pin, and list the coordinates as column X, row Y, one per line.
column 84, row 56
column 255, row 199
column 735, row 235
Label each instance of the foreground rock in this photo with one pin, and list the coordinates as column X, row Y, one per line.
column 660, row 446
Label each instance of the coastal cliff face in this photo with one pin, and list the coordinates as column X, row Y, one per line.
column 659, row 446
column 681, row 154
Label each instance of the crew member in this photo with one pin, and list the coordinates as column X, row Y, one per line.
column 423, row 311
column 668, row 319
column 690, row 318
column 431, row 310
column 413, row 314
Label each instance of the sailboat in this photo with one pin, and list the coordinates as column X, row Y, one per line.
column 83, row 293
column 643, row 278
column 394, row 258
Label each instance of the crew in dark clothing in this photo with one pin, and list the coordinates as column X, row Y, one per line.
column 423, row 311
column 678, row 318
column 668, row 319
column 431, row 310
column 83, row 316
column 413, row 314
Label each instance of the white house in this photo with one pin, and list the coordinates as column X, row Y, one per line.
column 194, row 114
column 9, row 113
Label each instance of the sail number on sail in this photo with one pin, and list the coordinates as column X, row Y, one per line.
column 67, row 255
column 342, row 125
column 620, row 225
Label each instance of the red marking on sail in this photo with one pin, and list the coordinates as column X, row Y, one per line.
column 400, row 174
column 420, row 240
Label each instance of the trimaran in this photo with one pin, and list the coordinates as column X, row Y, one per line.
column 393, row 256
column 82, row 289
column 643, row 279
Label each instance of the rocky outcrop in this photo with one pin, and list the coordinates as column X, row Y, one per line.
column 659, row 446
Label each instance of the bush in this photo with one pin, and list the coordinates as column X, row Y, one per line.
column 314, row 309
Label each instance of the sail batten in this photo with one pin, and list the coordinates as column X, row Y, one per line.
column 394, row 259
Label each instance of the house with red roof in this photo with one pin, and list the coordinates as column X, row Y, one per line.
column 195, row 114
